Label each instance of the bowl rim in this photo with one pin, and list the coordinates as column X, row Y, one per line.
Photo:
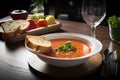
column 95, row 43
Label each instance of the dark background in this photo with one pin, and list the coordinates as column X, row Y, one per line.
column 7, row 6
column 59, row 6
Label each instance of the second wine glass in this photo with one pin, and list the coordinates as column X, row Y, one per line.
column 93, row 13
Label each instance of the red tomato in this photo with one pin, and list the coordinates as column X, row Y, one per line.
column 32, row 24
column 41, row 23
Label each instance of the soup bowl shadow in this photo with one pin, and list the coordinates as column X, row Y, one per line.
column 95, row 45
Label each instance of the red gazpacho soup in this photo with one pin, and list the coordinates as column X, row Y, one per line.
column 68, row 48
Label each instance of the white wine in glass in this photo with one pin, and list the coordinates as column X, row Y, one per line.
column 93, row 13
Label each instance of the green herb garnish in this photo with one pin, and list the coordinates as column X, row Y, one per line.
column 67, row 48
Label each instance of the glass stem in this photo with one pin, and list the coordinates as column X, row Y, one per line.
column 93, row 31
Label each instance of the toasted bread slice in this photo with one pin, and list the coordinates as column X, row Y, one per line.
column 23, row 24
column 39, row 44
column 10, row 28
column 13, row 27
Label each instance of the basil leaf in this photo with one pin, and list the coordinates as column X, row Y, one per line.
column 68, row 47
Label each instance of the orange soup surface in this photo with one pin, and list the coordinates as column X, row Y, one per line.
column 81, row 48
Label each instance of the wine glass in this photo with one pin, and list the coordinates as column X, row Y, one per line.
column 93, row 13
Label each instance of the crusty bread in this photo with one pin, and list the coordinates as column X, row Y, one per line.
column 10, row 28
column 13, row 27
column 39, row 44
column 24, row 24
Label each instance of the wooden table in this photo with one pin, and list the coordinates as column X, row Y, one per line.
column 13, row 57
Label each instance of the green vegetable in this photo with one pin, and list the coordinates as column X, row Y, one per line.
column 114, row 21
column 114, row 26
column 36, row 16
column 67, row 48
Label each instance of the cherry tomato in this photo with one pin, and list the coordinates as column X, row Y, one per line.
column 41, row 23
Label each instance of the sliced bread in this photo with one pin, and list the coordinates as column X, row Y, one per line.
column 39, row 44
column 13, row 27
column 10, row 29
column 23, row 24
